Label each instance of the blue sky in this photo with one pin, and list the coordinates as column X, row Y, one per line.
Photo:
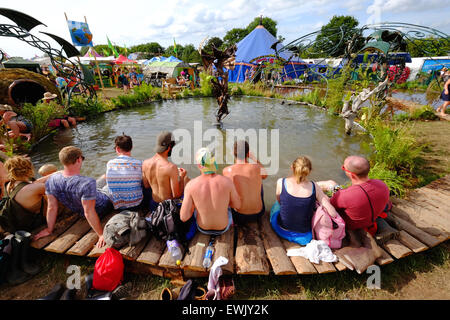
column 138, row 21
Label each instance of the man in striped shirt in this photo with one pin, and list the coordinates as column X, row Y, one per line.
column 124, row 176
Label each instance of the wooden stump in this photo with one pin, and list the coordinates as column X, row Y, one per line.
column 250, row 254
column 276, row 253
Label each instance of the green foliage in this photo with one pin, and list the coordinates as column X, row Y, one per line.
column 151, row 49
column 81, row 107
column 205, row 84
column 428, row 47
column 395, row 182
column 214, row 41
column 426, row 112
column 40, row 115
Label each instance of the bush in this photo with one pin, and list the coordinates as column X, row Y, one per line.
column 40, row 115
column 395, row 182
column 82, row 107
column 205, row 84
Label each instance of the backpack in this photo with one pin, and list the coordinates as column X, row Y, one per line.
column 126, row 227
column 108, row 272
column 14, row 217
column 331, row 230
column 165, row 224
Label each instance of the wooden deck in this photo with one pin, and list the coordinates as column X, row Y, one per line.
column 255, row 249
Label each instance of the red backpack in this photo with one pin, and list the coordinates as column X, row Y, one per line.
column 108, row 272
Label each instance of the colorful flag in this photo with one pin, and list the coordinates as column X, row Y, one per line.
column 79, row 31
column 116, row 54
column 174, row 46
column 105, row 52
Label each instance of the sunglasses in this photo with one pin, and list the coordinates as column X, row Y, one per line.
column 82, row 158
column 343, row 168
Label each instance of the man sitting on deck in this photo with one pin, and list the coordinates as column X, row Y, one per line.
column 247, row 178
column 78, row 193
column 210, row 195
column 124, row 176
column 163, row 177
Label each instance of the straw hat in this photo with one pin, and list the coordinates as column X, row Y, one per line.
column 5, row 107
column 49, row 96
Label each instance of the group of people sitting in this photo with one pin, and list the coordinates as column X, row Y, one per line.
column 184, row 78
column 215, row 200
column 127, row 79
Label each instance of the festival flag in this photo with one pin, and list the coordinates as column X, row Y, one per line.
column 116, row 54
column 105, row 52
column 80, row 33
column 174, row 46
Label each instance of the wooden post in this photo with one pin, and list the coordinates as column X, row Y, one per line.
column 96, row 64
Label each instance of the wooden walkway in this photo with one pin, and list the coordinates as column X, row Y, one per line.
column 423, row 220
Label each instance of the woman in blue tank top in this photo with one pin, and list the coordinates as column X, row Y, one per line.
column 297, row 197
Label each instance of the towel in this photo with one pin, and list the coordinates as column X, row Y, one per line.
column 315, row 251
column 214, row 273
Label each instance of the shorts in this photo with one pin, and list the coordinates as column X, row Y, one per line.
column 241, row 218
column 28, row 125
column 216, row 232
column 445, row 97
column 55, row 123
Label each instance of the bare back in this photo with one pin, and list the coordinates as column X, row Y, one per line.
column 30, row 196
column 162, row 176
column 248, row 182
column 210, row 195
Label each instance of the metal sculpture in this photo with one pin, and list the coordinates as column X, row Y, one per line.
column 384, row 39
column 59, row 58
column 215, row 63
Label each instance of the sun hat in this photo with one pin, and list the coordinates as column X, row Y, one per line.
column 49, row 96
column 206, row 161
column 5, row 107
column 163, row 141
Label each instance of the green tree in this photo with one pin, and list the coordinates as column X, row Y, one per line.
column 331, row 41
column 234, row 36
column 216, row 41
column 237, row 34
column 150, row 49
column 428, row 47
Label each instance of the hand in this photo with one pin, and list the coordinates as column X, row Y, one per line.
column 182, row 172
column 101, row 242
column 446, row 92
column 44, row 233
column 252, row 156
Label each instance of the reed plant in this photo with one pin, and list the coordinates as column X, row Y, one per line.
column 40, row 115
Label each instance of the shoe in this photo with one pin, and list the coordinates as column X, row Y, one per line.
column 55, row 293
column 122, row 291
column 385, row 232
column 26, row 266
column 68, row 294
column 200, row 293
column 166, row 294
column 15, row 275
column 226, row 287
column 176, row 293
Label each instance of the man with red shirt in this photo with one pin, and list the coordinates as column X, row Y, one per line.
column 365, row 200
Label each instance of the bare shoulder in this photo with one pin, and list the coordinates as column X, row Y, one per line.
column 227, row 170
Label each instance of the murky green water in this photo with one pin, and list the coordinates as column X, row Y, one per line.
column 302, row 131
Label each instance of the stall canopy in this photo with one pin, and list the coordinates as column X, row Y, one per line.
column 172, row 69
column 92, row 53
column 256, row 48
column 122, row 59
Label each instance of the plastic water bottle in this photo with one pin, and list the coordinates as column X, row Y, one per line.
column 175, row 251
column 208, row 257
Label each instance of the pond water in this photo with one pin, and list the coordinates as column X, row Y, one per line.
column 301, row 130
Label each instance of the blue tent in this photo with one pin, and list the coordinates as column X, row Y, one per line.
column 255, row 48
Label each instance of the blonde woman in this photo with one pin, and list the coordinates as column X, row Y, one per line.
column 27, row 196
column 297, row 197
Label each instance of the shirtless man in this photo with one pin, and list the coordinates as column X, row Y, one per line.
column 247, row 178
column 210, row 194
column 163, row 177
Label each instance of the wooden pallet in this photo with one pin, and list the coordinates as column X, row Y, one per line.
column 255, row 249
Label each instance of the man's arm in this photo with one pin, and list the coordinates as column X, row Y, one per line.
column 187, row 207
column 93, row 219
column 176, row 185
column 263, row 170
column 324, row 201
column 52, row 213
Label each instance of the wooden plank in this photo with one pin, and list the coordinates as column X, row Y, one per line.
column 224, row 246
column 340, row 266
column 411, row 242
column 384, row 259
column 301, row 264
column 426, row 217
column 86, row 243
column 250, row 254
column 324, row 267
column 152, row 252
column 97, row 252
column 433, row 197
column 402, row 224
column 132, row 252
column 197, row 248
column 68, row 238
column 442, row 184
column 281, row 264
column 397, row 249
column 60, row 226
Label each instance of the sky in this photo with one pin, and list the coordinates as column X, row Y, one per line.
column 132, row 22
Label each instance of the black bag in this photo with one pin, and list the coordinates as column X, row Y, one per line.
column 14, row 217
column 4, row 260
column 165, row 223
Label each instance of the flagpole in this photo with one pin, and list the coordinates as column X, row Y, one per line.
column 96, row 63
